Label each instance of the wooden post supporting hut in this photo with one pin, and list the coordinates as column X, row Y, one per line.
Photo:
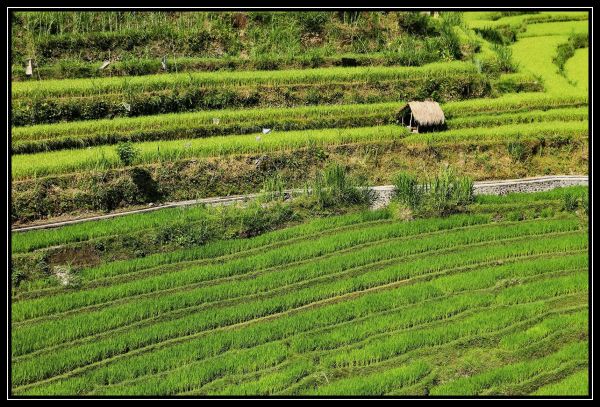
column 421, row 116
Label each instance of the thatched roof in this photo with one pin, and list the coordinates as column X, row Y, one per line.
column 426, row 113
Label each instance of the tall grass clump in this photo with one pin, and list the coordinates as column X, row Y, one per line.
column 273, row 189
column 333, row 187
column 574, row 200
column 517, row 150
column 504, row 58
column 444, row 194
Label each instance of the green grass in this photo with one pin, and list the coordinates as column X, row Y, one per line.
column 531, row 116
column 504, row 133
column 534, row 54
column 103, row 232
column 494, row 380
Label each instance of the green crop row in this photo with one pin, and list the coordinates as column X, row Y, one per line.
column 514, row 103
column 444, row 86
column 187, row 374
column 187, row 380
column 574, row 385
column 576, row 352
column 108, row 273
column 556, row 28
column 36, row 239
column 390, row 346
column 532, row 116
column 39, row 138
column 101, row 158
column 103, row 233
column 63, row 359
column 274, row 116
column 376, row 383
column 90, row 87
column 75, row 68
column 552, row 132
column 24, row 341
column 572, row 322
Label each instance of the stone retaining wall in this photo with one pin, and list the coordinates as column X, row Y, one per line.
column 502, row 187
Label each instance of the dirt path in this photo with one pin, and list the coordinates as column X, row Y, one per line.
column 384, row 194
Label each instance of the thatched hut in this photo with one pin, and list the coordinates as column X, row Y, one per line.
column 422, row 116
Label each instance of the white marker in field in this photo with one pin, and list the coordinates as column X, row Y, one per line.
column 127, row 106
column 29, row 68
column 163, row 63
column 216, row 120
column 104, row 64
column 266, row 131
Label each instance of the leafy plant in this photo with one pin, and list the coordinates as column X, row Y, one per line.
column 127, row 152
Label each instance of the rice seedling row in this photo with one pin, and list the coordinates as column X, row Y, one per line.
column 485, row 340
column 234, row 384
column 566, row 324
column 576, row 384
column 514, row 373
column 168, row 314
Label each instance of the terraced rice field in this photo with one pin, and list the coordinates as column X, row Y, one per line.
column 321, row 308
column 297, row 298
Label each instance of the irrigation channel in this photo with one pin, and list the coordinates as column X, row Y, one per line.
column 383, row 196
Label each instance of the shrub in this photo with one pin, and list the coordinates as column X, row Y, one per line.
column 447, row 193
column 499, row 35
column 312, row 21
column 567, row 50
column 585, row 203
column 415, row 23
column 126, row 152
column 574, row 201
